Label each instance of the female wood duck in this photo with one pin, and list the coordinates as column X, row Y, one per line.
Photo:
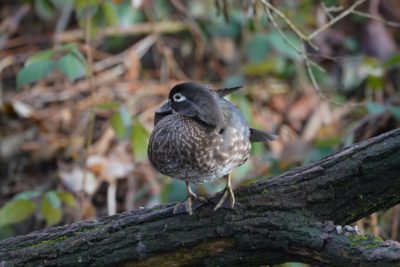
column 199, row 136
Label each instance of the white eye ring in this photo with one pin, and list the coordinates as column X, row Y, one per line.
column 178, row 97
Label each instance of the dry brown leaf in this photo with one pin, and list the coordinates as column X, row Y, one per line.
column 77, row 180
column 116, row 165
column 320, row 117
column 88, row 211
column 300, row 110
column 23, row 110
column 225, row 47
column 278, row 103
column 102, row 145
column 294, row 151
column 132, row 63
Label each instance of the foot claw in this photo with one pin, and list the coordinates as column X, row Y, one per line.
column 189, row 203
column 227, row 192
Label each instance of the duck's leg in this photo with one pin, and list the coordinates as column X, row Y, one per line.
column 189, row 200
column 228, row 192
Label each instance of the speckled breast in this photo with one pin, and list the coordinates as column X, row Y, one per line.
column 183, row 148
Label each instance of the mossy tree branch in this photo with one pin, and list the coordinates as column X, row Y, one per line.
column 287, row 218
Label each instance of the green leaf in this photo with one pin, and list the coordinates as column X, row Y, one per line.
column 395, row 111
column 51, row 214
column 110, row 13
column 82, row 4
column 244, row 106
column 282, row 46
column 34, row 72
column 61, row 3
column 27, row 195
column 328, row 143
column 71, row 67
column 257, row 49
column 352, row 77
column 139, row 141
column 44, row 9
column 54, row 199
column 73, row 49
column 128, row 15
column 87, row 9
column 6, row 232
column 274, row 65
column 44, row 55
column 174, row 191
column 375, row 108
column 16, row 211
column 67, row 198
column 121, row 122
column 351, row 44
column 375, row 82
column 234, row 80
column 162, row 9
column 392, row 61
column 107, row 106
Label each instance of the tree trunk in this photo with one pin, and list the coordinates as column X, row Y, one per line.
column 290, row 217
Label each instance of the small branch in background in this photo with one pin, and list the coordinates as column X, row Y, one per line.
column 140, row 48
column 10, row 25
column 165, row 27
column 4, row 62
column 170, row 62
column 307, row 39
column 395, row 223
column 281, row 33
column 63, row 20
column 330, row 9
column 370, row 16
column 335, row 19
column 200, row 40
column 301, row 52
column 225, row 10
column 89, row 59
column 374, row 224
column 112, row 197
column 290, row 24
column 314, row 82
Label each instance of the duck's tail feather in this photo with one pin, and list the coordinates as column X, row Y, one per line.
column 260, row 136
column 226, row 91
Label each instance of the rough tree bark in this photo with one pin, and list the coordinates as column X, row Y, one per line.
column 290, row 217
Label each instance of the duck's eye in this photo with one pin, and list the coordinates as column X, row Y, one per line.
column 178, row 97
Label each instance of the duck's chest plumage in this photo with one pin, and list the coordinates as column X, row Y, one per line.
column 184, row 148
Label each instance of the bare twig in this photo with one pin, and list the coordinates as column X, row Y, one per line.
column 307, row 39
column 89, row 58
column 10, row 25
column 290, row 24
column 112, row 197
column 200, row 40
column 63, row 20
column 313, row 79
column 140, row 48
column 370, row 16
column 166, row 52
column 334, row 20
column 137, row 29
column 301, row 52
column 395, row 222
column 280, row 32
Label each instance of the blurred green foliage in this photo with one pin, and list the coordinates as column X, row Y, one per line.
column 260, row 55
column 24, row 205
column 66, row 58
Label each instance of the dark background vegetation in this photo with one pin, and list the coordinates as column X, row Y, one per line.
column 80, row 81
